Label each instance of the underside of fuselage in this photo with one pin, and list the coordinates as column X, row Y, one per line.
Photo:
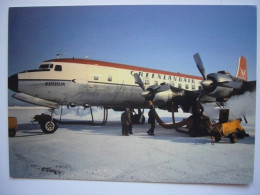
column 68, row 92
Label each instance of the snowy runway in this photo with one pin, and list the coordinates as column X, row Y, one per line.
column 100, row 153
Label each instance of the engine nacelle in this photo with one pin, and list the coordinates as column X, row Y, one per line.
column 161, row 98
column 221, row 92
column 218, row 91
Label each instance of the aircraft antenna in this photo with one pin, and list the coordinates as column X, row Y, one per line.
column 58, row 55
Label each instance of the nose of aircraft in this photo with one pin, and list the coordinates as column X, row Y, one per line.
column 13, row 82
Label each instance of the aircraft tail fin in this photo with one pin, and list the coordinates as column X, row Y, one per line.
column 242, row 69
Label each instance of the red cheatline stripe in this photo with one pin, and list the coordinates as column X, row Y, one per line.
column 122, row 66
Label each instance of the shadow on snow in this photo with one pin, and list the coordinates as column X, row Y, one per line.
column 113, row 128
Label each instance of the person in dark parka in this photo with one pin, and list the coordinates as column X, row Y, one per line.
column 126, row 122
column 151, row 120
column 197, row 112
column 130, row 131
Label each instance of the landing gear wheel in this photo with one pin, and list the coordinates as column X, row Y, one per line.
column 241, row 133
column 49, row 126
column 217, row 139
column 11, row 132
column 233, row 138
column 137, row 118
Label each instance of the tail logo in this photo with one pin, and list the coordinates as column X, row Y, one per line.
column 242, row 69
column 243, row 72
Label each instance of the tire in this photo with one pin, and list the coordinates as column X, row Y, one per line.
column 241, row 133
column 49, row 126
column 217, row 139
column 11, row 132
column 136, row 119
column 233, row 138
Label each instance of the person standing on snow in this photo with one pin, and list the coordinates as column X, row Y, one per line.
column 151, row 120
column 126, row 122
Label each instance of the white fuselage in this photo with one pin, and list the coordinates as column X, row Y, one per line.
column 88, row 82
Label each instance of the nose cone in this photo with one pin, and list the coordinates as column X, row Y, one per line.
column 13, row 82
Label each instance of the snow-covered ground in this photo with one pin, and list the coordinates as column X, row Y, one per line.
column 100, row 153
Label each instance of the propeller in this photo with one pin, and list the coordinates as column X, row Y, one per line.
column 200, row 65
column 206, row 84
column 209, row 84
column 147, row 94
column 179, row 96
column 139, row 81
column 150, row 92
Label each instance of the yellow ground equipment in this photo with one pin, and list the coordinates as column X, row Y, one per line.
column 12, row 126
column 231, row 129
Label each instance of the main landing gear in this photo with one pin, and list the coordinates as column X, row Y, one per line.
column 138, row 118
column 50, row 125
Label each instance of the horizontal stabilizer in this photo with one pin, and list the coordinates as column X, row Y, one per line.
column 34, row 100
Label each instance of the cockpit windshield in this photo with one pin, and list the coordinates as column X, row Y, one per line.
column 46, row 66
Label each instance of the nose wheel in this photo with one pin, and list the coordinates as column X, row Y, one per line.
column 47, row 122
column 49, row 126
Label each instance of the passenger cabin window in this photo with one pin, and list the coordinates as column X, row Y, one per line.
column 179, row 86
column 109, row 78
column 186, row 86
column 193, row 86
column 95, row 78
column 58, row 68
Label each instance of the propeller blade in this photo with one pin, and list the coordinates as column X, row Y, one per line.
column 231, row 84
column 151, row 91
column 146, row 93
column 139, row 81
column 200, row 65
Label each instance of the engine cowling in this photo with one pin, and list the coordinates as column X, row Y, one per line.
column 162, row 98
column 214, row 89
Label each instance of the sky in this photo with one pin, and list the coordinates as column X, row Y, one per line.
column 159, row 37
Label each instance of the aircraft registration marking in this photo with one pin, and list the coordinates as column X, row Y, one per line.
column 55, row 84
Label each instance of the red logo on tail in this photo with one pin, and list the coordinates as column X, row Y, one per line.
column 242, row 69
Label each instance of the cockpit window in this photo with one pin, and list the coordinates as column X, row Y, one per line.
column 46, row 66
column 58, row 68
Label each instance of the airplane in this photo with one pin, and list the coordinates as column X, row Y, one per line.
column 88, row 83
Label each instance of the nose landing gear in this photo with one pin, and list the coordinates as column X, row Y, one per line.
column 50, row 125
column 47, row 122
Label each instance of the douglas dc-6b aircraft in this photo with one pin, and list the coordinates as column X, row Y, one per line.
column 85, row 82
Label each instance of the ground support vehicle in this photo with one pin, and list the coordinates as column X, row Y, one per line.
column 12, row 126
column 231, row 129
